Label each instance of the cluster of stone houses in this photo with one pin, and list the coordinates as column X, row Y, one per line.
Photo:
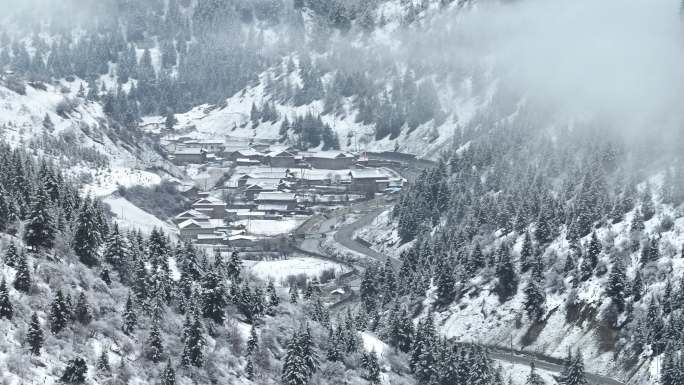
column 186, row 150
column 206, row 223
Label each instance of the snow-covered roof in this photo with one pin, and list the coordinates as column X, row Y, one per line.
column 211, row 236
column 263, row 184
column 209, row 201
column 192, row 222
column 275, row 196
column 192, row 214
column 368, row 174
column 272, row 207
column 327, row 154
column 242, row 237
column 247, row 152
column 279, row 153
column 247, row 160
column 190, row 151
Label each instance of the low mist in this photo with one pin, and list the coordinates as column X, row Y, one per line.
column 617, row 60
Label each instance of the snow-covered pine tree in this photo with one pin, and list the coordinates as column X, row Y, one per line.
column 234, row 266
column 140, row 286
column 41, row 229
column 157, row 248
column 647, row 206
column 272, row 296
column 102, row 364
column 130, row 319
column 446, row 282
column 294, row 293
column 213, row 297
column 637, row 289
column 535, row 298
column 594, row 250
column 59, row 313
column 253, row 341
column 75, row 371
column 11, row 255
column 534, row 378
column 7, row 212
column 616, row 288
column 82, row 311
column 507, row 279
column 574, row 372
column 6, row 308
column 22, row 278
column 105, row 277
column 168, row 376
column 87, row 237
column 154, row 348
column 295, row 368
column 193, row 351
column 116, row 253
column 369, row 362
column 526, row 253
column 34, row 336
column 667, row 298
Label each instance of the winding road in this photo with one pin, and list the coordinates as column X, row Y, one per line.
column 344, row 236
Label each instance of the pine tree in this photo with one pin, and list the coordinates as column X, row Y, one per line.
column 294, row 295
column 140, row 283
column 249, row 368
column 104, row 276
column 213, row 297
column 193, row 351
column 168, row 377
column 647, row 206
column 75, row 371
column 637, row 287
column 272, row 297
column 526, row 253
column 82, row 311
column 300, row 360
column 34, row 336
column 234, row 266
column 667, row 298
column 446, row 283
column 253, row 341
column 533, row 378
column 116, row 253
column 574, row 372
column 22, row 278
column 130, row 319
column 616, row 289
column 6, row 308
column 103, row 362
column 154, row 349
column 59, row 313
column 369, row 361
column 534, row 300
column 594, row 250
column 12, row 255
column 87, row 237
column 507, row 283
column 40, row 231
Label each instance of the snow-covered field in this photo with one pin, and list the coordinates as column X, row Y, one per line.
column 279, row 270
column 106, row 182
column 270, row 227
column 131, row 217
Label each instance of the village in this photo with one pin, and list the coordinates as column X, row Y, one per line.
column 265, row 190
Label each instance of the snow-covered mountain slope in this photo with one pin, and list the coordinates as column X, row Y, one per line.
column 575, row 316
column 362, row 75
column 55, row 122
